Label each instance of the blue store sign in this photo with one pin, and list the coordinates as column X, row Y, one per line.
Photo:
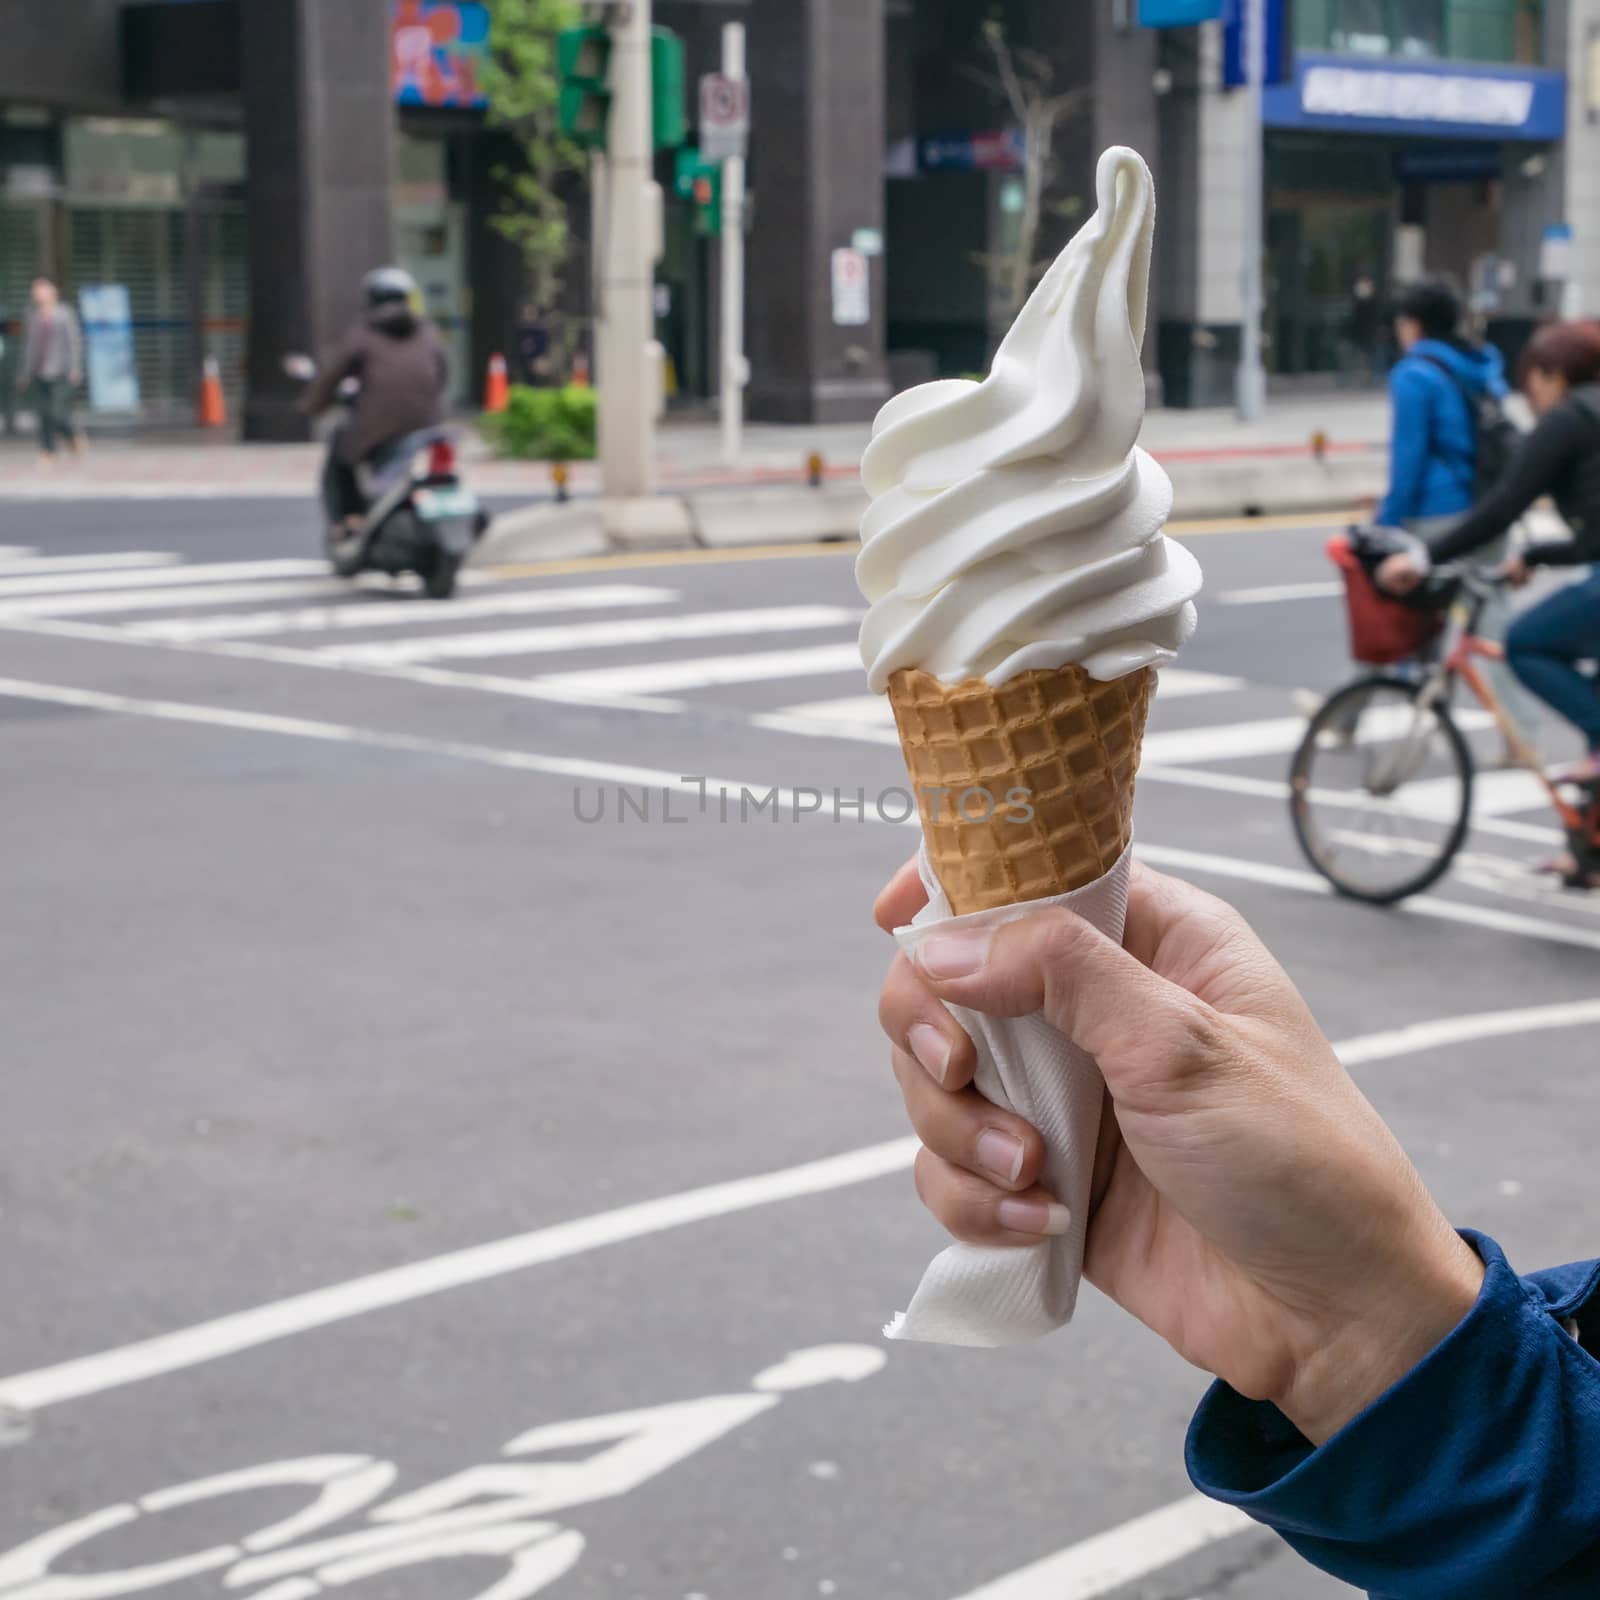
column 1449, row 99
column 1178, row 13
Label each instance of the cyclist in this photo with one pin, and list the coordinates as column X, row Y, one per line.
column 1560, row 372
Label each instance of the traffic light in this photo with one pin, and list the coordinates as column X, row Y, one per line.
column 669, row 120
column 583, row 56
column 700, row 181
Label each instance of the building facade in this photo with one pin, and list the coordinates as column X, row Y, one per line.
column 233, row 166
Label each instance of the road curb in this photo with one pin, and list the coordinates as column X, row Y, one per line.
column 787, row 514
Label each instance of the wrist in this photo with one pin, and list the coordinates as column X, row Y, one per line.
column 1359, row 1356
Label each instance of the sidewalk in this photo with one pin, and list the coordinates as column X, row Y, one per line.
column 1219, row 466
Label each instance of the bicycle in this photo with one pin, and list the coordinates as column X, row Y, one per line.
column 1380, row 788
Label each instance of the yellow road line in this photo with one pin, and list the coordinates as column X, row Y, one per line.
column 673, row 558
column 780, row 552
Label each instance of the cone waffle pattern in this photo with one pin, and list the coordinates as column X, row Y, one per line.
column 1071, row 741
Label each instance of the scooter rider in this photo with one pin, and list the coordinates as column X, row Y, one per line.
column 397, row 357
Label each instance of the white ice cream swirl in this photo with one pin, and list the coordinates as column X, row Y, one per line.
column 1014, row 523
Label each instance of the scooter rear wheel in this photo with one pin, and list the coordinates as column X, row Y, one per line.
column 440, row 579
column 346, row 552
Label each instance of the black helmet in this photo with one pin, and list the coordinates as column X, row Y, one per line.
column 388, row 286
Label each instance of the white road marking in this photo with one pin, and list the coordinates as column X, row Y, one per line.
column 753, row 667
column 198, row 572
column 122, row 560
column 613, row 633
column 245, row 1330
column 1420, row 1036
column 1178, row 683
column 17, row 552
column 865, row 710
column 1272, row 593
column 1278, row 789
column 1109, row 1560
column 1270, row 736
column 195, row 597
column 812, row 724
column 249, row 650
column 382, row 613
column 1422, row 905
column 1494, row 793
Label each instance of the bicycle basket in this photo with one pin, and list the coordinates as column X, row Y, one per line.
column 1383, row 630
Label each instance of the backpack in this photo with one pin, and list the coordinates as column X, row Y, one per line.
column 1494, row 435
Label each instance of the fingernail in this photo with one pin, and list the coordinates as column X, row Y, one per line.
column 1034, row 1216
column 1001, row 1154
column 953, row 955
column 931, row 1048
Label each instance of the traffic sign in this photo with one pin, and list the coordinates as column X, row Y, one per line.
column 852, row 289
column 724, row 117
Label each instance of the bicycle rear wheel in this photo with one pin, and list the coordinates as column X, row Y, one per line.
column 1380, row 792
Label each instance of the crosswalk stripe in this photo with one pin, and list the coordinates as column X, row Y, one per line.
column 30, row 566
column 615, row 633
column 654, row 677
column 866, row 710
column 16, row 552
column 1178, row 683
column 381, row 613
column 1494, row 794
column 1271, row 594
column 220, row 594
column 199, row 572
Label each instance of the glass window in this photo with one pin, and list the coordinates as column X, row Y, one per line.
column 1362, row 27
column 1465, row 30
column 1419, row 27
column 1482, row 30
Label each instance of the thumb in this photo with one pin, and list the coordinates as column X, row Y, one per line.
column 1087, row 986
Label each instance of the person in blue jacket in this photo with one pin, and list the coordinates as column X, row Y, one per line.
column 1405, row 1409
column 1433, row 446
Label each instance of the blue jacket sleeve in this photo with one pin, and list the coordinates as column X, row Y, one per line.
column 1411, row 395
column 1476, row 1477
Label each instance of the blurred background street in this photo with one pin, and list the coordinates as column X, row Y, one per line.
column 452, row 1152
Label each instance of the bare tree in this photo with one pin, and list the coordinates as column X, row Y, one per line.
column 1025, row 80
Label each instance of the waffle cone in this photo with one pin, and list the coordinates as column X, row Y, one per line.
column 1068, row 741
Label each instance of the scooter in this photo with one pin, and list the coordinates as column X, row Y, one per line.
column 420, row 517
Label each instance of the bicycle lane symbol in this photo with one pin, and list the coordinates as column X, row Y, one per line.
column 498, row 1510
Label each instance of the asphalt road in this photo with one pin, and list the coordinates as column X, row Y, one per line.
column 377, row 1127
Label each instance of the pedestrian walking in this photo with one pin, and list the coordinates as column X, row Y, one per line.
column 51, row 368
column 1363, row 333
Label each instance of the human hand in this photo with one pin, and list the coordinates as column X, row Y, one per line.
column 1400, row 574
column 1514, row 569
column 1248, row 1204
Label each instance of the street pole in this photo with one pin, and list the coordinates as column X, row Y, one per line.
column 734, row 375
column 630, row 378
column 1250, row 386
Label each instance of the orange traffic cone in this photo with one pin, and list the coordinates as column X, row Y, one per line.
column 580, row 370
column 213, row 409
column 497, row 390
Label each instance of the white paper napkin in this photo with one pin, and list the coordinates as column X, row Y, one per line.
column 984, row 1296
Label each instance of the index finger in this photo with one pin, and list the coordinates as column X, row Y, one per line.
column 900, row 899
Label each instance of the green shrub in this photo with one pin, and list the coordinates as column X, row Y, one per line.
column 545, row 424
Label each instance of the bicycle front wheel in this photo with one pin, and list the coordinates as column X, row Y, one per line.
column 1380, row 792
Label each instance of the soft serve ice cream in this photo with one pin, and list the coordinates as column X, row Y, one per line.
column 1014, row 524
